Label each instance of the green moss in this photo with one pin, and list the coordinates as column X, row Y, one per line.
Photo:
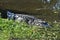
column 13, row 30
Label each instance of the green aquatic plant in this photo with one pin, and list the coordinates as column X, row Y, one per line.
column 12, row 30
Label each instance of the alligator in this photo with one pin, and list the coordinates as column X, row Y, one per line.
column 31, row 20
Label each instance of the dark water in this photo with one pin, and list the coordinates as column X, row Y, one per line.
column 46, row 10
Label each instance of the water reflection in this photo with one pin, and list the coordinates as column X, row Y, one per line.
column 57, row 5
column 46, row 1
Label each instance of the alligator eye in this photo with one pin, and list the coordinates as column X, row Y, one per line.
column 16, row 16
